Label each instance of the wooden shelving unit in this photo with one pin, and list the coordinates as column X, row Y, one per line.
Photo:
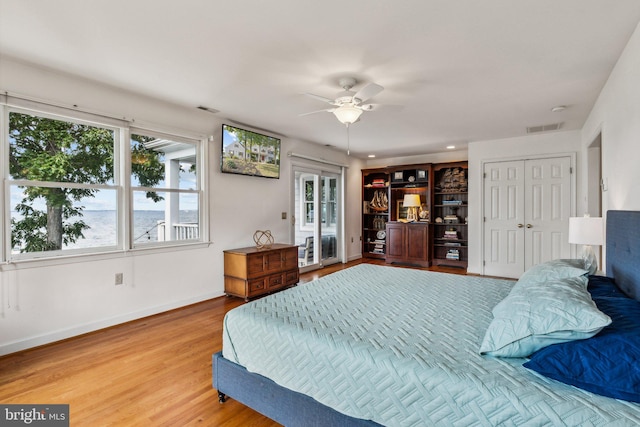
column 439, row 236
column 449, row 216
column 375, row 214
column 385, row 235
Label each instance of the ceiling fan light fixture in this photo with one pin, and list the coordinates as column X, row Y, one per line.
column 347, row 114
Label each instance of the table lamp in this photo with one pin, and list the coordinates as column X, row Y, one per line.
column 587, row 231
column 412, row 202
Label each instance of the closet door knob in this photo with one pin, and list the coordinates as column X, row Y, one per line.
column 529, row 226
column 520, row 225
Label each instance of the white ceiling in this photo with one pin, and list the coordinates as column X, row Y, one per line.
column 462, row 70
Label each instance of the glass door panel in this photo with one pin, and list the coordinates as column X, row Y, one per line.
column 329, row 224
column 316, row 217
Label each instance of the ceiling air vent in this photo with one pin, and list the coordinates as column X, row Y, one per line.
column 544, row 128
column 210, row 110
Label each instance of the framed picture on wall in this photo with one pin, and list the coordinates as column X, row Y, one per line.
column 402, row 211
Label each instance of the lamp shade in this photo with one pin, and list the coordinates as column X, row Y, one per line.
column 586, row 230
column 411, row 201
column 347, row 113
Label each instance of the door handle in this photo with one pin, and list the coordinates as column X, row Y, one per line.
column 529, row 226
column 520, row 225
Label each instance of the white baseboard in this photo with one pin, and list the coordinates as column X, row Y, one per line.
column 62, row 334
column 354, row 257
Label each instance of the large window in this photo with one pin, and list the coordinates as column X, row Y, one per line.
column 66, row 186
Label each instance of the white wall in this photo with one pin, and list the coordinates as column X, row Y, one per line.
column 44, row 303
column 616, row 115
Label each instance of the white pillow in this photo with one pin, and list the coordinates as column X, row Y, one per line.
column 540, row 313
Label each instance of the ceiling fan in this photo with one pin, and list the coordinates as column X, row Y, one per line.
column 348, row 106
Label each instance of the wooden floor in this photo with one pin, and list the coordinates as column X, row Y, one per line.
column 154, row 371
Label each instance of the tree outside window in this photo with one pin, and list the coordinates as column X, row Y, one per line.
column 64, row 182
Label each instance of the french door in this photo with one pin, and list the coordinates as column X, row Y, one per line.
column 527, row 205
column 317, row 216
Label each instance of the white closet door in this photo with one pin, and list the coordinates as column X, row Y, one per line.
column 527, row 204
column 504, row 184
column 547, row 209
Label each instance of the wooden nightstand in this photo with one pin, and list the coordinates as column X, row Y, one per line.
column 250, row 272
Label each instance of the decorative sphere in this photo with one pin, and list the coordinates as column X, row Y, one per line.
column 263, row 239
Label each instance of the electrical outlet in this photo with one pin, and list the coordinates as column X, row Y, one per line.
column 119, row 279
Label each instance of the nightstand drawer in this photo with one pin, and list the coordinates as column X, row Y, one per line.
column 275, row 281
column 292, row 277
column 256, row 286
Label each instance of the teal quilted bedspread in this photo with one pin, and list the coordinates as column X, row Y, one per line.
column 401, row 347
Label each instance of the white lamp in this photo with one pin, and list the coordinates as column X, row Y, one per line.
column 411, row 201
column 586, row 231
column 347, row 113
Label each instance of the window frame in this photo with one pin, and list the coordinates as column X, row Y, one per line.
column 122, row 130
column 197, row 191
column 304, row 178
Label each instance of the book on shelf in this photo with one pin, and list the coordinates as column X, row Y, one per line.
column 453, row 254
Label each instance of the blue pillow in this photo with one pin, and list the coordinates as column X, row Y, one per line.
column 602, row 286
column 608, row 363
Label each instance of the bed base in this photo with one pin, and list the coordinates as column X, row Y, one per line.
column 294, row 409
column 282, row 405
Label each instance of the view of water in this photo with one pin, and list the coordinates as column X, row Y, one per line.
column 102, row 231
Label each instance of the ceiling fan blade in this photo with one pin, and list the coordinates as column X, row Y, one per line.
column 328, row 110
column 382, row 107
column 321, row 98
column 368, row 91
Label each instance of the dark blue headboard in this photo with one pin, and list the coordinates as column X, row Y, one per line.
column 623, row 250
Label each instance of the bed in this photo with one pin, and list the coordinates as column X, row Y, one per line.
column 377, row 345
